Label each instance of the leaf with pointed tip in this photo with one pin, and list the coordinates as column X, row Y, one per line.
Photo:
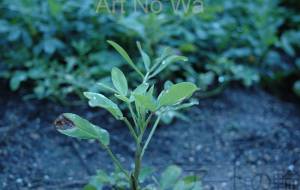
column 151, row 90
column 124, row 54
column 177, row 93
column 74, row 126
column 98, row 100
column 145, row 57
column 141, row 89
column 119, row 81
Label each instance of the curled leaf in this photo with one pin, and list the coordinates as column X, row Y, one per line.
column 74, row 126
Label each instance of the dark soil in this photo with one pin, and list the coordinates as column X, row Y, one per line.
column 242, row 139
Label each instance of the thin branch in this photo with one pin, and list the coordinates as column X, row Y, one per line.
column 133, row 116
column 131, row 129
column 75, row 145
column 117, row 162
column 61, row 185
column 150, row 135
column 145, row 126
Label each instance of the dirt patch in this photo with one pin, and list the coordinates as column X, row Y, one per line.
column 233, row 141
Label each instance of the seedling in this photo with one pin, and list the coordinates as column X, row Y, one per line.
column 144, row 109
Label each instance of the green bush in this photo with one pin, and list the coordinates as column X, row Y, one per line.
column 58, row 44
column 46, row 41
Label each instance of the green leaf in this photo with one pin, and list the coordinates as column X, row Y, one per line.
column 55, row 7
column 16, row 80
column 205, row 80
column 186, row 105
column 119, row 81
column 168, row 84
column 166, row 52
column 169, row 177
column 196, row 186
column 74, row 126
column 151, row 90
column 98, row 100
column 177, row 93
column 180, row 185
column 124, row 54
column 123, row 98
column 106, row 87
column 297, row 88
column 286, row 45
column 168, row 61
column 191, row 179
column 141, row 89
column 146, row 101
column 145, row 57
column 145, row 173
column 98, row 182
column 92, row 187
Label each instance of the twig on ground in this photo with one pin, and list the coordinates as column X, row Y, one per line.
column 61, row 184
column 75, row 146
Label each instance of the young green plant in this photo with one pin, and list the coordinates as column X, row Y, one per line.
column 143, row 109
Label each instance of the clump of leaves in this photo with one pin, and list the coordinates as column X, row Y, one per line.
column 144, row 109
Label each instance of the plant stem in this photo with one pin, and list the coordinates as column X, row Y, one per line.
column 146, row 78
column 137, row 168
column 116, row 161
column 131, row 129
column 145, row 127
column 133, row 116
column 150, row 136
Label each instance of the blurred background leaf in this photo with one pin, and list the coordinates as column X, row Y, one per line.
column 56, row 49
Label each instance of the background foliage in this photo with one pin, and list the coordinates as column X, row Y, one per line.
column 58, row 48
